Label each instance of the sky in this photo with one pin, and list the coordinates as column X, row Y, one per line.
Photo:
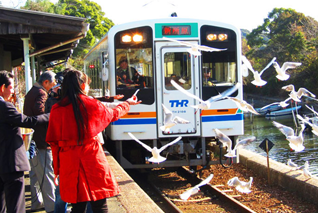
column 244, row 14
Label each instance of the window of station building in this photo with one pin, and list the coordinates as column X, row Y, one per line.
column 177, row 67
column 134, row 64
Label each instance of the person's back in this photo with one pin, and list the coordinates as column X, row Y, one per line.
column 41, row 165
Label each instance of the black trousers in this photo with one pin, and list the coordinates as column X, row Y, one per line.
column 12, row 192
column 98, row 206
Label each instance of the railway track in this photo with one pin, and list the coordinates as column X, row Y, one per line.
column 209, row 194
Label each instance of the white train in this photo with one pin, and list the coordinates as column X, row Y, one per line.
column 153, row 60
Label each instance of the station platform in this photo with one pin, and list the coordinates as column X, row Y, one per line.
column 131, row 199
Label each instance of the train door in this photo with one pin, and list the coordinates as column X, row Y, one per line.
column 175, row 63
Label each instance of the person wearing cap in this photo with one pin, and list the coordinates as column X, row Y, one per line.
column 125, row 69
column 41, row 174
column 13, row 158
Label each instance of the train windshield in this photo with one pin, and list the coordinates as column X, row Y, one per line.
column 134, row 63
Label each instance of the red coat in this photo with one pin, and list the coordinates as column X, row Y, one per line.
column 83, row 169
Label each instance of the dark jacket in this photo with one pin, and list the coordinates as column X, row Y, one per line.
column 12, row 150
column 34, row 104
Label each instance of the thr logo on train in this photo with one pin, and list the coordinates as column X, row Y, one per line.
column 179, row 103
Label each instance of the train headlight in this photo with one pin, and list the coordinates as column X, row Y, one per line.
column 222, row 37
column 137, row 38
column 126, row 38
column 211, row 37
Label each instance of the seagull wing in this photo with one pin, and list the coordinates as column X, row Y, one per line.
column 180, row 120
column 290, row 65
column 168, row 114
column 234, row 182
column 286, row 130
column 247, row 63
column 316, row 113
column 141, row 143
column 178, row 87
column 225, row 94
column 304, row 120
column 169, row 144
column 303, row 91
column 251, row 109
column 180, row 42
column 205, row 181
column 275, row 103
column 185, row 195
column 268, row 65
column 209, row 49
column 223, row 138
column 244, row 142
column 289, row 88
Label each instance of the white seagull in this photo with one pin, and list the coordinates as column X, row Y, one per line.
column 185, row 195
column 156, row 158
column 295, row 141
column 292, row 165
column 206, row 104
column 281, row 71
column 227, row 142
column 243, row 105
column 171, row 121
column 241, row 186
column 283, row 104
column 258, row 81
column 296, row 96
column 305, row 170
column 246, row 65
column 314, row 127
column 195, row 48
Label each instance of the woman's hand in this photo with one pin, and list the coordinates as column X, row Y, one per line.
column 118, row 97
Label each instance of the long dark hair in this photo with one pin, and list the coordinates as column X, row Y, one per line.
column 70, row 94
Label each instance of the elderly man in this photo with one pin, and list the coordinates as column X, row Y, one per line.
column 13, row 158
column 41, row 175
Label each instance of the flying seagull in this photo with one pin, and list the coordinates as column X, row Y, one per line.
column 243, row 105
column 314, row 127
column 241, row 186
column 206, row 104
column 296, row 96
column 171, row 121
column 156, row 158
column 185, row 195
column 258, row 81
column 295, row 141
column 283, row 104
column 281, row 71
column 195, row 48
column 227, row 142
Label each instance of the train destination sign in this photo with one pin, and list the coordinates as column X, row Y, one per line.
column 176, row 30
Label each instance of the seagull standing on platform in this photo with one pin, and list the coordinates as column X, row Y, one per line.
column 296, row 96
column 206, row 104
column 156, row 158
column 305, row 169
column 292, row 165
column 258, row 81
column 243, row 105
column 195, row 48
column 295, row 141
column 171, row 121
column 241, row 186
column 281, row 71
column 227, row 142
column 185, row 195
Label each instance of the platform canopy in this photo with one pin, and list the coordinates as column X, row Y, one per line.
column 33, row 36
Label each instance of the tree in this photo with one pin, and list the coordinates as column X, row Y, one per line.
column 39, row 5
column 288, row 36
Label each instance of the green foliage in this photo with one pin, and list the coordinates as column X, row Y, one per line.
column 288, row 36
column 98, row 23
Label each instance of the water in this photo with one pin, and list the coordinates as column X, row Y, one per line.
column 262, row 128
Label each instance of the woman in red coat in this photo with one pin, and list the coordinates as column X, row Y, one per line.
column 78, row 157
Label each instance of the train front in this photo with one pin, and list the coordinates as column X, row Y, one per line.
column 176, row 64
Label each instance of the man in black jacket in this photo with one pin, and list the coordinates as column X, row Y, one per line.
column 13, row 158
